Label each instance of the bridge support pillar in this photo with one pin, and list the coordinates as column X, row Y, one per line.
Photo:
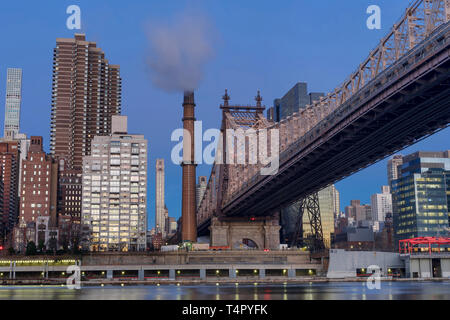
column 232, row 273
column 141, row 275
column 109, row 274
column 243, row 232
column 172, row 274
column 202, row 274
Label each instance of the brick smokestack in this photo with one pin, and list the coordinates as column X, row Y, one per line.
column 188, row 211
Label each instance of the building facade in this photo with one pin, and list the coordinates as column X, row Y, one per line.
column 39, row 184
column 9, row 173
column 160, row 205
column 86, row 92
column 297, row 97
column 13, row 102
column 359, row 213
column 392, row 168
column 327, row 211
column 69, row 191
column 381, row 204
column 114, row 201
column 421, row 196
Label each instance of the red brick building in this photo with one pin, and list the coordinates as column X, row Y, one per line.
column 39, row 182
column 9, row 172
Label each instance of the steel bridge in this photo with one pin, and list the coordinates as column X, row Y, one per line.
column 398, row 95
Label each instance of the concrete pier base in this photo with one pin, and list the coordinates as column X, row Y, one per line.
column 262, row 232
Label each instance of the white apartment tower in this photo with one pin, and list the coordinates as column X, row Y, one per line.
column 13, row 102
column 381, row 204
column 114, row 202
column 160, row 212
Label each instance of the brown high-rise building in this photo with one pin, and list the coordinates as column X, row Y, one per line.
column 69, row 190
column 39, row 182
column 86, row 93
column 9, row 172
column 188, row 208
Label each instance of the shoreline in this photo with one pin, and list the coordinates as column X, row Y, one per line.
column 127, row 282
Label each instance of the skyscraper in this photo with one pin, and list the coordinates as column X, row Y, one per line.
column 381, row 204
column 392, row 168
column 114, row 202
column 297, row 97
column 336, row 201
column 421, row 195
column 86, row 92
column 160, row 217
column 13, row 102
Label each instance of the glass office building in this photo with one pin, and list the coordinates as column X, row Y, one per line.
column 421, row 196
column 13, row 102
column 328, row 208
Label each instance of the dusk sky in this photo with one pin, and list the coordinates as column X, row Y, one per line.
column 262, row 45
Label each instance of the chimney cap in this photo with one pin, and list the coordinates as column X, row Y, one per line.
column 188, row 97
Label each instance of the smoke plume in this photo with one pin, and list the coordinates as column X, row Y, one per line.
column 179, row 52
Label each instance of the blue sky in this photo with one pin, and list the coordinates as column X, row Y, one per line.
column 260, row 44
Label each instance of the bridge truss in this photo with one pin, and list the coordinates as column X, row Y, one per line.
column 388, row 85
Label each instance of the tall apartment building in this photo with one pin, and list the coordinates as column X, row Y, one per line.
column 13, row 102
column 421, row 196
column 9, row 173
column 336, row 201
column 160, row 205
column 392, row 168
column 86, row 92
column 200, row 189
column 114, row 201
column 381, row 204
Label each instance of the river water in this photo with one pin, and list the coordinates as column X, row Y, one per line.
column 308, row 291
